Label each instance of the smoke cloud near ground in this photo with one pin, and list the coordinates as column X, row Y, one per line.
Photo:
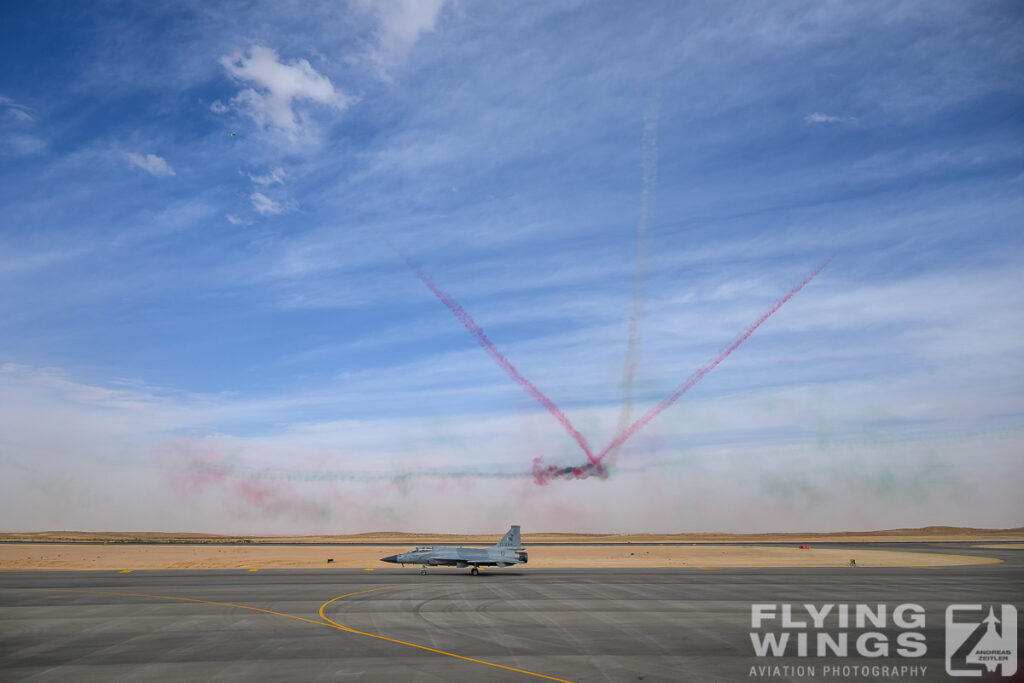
column 789, row 468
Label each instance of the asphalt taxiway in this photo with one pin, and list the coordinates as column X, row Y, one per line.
column 395, row 625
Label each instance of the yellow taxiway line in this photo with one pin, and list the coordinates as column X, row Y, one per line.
column 330, row 623
column 420, row 647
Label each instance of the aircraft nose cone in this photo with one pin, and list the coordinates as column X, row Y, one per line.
column 390, row 558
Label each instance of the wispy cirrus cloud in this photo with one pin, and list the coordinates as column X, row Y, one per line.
column 15, row 138
column 150, row 163
column 275, row 176
column 818, row 117
column 264, row 204
column 18, row 112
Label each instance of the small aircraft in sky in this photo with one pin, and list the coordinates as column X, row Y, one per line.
column 508, row 551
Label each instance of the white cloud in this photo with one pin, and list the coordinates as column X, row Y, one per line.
column 235, row 220
column 22, row 145
column 818, row 117
column 13, row 141
column 400, row 24
column 18, row 112
column 151, row 163
column 218, row 107
column 277, row 175
column 277, row 86
column 264, row 204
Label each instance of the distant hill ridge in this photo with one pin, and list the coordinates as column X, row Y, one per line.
column 928, row 533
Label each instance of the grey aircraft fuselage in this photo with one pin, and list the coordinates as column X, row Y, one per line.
column 508, row 551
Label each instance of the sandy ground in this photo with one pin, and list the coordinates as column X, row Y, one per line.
column 31, row 556
column 1011, row 546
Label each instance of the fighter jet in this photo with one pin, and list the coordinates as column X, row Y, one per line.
column 509, row 550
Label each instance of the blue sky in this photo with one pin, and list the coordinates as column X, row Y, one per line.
column 205, row 329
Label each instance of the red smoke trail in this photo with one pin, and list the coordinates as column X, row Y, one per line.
column 542, row 474
column 699, row 374
column 460, row 313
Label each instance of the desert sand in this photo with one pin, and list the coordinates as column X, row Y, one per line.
column 144, row 550
column 121, row 557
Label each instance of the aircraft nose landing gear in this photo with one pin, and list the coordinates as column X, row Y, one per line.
column 474, row 571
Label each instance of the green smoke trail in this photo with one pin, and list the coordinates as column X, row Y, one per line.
column 649, row 162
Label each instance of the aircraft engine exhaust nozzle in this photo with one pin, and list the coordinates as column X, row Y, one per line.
column 390, row 558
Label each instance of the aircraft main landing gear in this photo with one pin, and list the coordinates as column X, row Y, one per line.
column 423, row 572
column 474, row 571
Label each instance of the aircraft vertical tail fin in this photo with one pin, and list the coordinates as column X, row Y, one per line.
column 510, row 539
